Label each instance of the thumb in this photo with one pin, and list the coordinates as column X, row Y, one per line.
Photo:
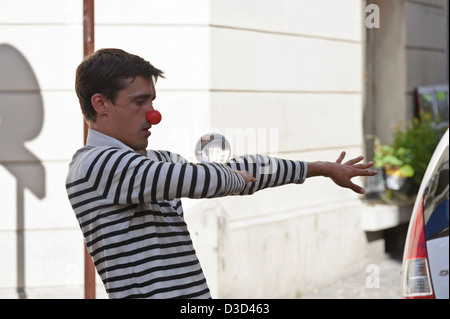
column 357, row 189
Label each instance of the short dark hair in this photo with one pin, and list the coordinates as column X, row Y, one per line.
column 105, row 72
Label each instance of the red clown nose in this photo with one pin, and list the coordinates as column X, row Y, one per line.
column 153, row 117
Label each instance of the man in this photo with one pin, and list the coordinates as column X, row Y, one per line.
column 127, row 200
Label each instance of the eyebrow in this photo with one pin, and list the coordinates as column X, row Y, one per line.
column 144, row 96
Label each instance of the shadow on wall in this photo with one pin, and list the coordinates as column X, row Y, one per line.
column 21, row 119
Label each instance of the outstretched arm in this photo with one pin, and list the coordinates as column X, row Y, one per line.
column 340, row 173
column 259, row 174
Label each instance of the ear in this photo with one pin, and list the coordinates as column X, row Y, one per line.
column 99, row 102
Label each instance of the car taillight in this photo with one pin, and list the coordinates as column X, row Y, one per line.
column 416, row 277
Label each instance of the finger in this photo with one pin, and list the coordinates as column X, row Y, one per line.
column 357, row 189
column 354, row 160
column 349, row 184
column 364, row 165
column 368, row 172
column 340, row 158
column 250, row 177
column 362, row 172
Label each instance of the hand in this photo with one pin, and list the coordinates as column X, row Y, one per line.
column 345, row 172
column 248, row 178
column 342, row 174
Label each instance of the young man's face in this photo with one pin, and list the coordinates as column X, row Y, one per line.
column 127, row 114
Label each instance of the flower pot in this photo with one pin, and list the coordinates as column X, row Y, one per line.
column 375, row 185
column 396, row 182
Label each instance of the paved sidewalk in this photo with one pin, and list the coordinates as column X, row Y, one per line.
column 381, row 280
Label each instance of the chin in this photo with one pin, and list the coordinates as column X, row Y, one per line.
column 138, row 146
column 142, row 146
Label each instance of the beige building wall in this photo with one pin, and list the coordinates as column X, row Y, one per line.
column 291, row 69
column 410, row 49
column 427, row 40
column 40, row 125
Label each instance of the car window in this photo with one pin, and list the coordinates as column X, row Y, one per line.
column 436, row 200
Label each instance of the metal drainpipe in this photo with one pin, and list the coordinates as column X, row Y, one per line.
column 88, row 49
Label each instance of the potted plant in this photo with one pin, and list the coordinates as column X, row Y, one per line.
column 405, row 160
column 396, row 165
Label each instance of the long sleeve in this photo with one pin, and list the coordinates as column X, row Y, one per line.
column 132, row 223
column 269, row 171
column 129, row 209
column 124, row 177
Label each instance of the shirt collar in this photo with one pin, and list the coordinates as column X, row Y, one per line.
column 95, row 138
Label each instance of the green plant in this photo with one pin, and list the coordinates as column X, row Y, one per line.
column 411, row 149
column 390, row 158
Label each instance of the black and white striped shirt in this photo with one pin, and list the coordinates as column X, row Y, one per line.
column 130, row 212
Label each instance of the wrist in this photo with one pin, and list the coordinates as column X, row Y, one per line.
column 318, row 169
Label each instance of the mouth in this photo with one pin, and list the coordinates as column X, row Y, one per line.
column 146, row 129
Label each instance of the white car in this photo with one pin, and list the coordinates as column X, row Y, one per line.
column 426, row 255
